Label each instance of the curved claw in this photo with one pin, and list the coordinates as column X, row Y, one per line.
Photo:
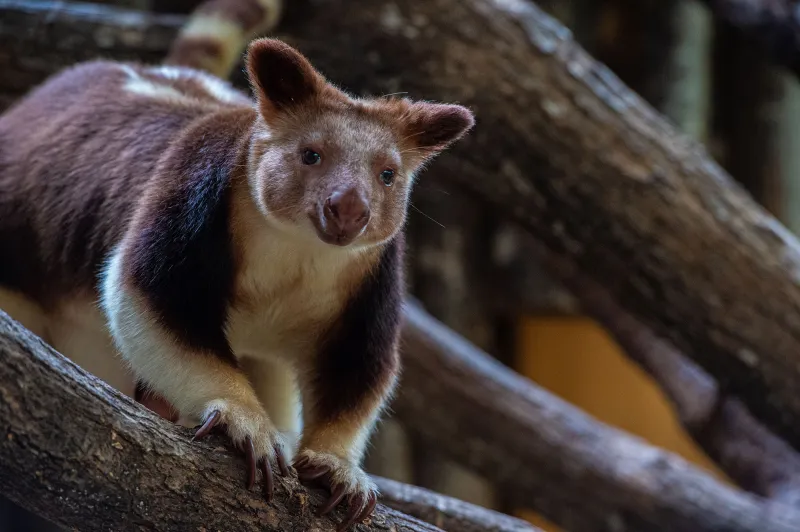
column 269, row 481
column 301, row 462
column 281, row 459
column 336, row 497
column 251, row 462
column 312, row 473
column 354, row 510
column 209, row 424
column 372, row 502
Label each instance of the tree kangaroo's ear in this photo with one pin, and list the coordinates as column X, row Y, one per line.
column 281, row 77
column 434, row 126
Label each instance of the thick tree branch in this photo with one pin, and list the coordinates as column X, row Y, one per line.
column 747, row 451
column 576, row 159
column 752, row 455
column 81, row 455
column 446, row 512
column 78, row 453
column 38, row 38
column 772, row 24
column 578, row 472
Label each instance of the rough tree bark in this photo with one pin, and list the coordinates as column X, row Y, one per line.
column 752, row 456
column 678, row 85
column 78, row 453
column 75, row 451
column 565, row 149
column 579, row 473
column 447, row 513
column 68, row 38
column 742, row 447
column 676, row 79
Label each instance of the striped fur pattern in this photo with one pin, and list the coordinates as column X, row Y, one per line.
column 167, row 229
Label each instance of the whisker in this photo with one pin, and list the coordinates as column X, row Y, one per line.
column 435, row 189
column 426, row 216
column 417, row 134
column 414, row 148
column 278, row 211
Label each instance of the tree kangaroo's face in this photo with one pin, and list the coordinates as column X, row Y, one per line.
column 335, row 166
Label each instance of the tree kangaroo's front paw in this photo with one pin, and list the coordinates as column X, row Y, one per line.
column 251, row 430
column 344, row 480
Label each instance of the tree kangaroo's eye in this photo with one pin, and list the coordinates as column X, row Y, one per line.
column 387, row 176
column 311, row 157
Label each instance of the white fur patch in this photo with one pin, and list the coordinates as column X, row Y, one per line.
column 276, row 256
column 214, row 87
column 277, row 388
column 209, row 89
column 151, row 354
column 136, row 84
column 195, row 383
column 222, row 91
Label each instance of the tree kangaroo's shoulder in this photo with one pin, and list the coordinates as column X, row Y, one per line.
column 178, row 253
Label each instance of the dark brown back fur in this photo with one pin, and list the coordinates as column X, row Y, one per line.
column 75, row 154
